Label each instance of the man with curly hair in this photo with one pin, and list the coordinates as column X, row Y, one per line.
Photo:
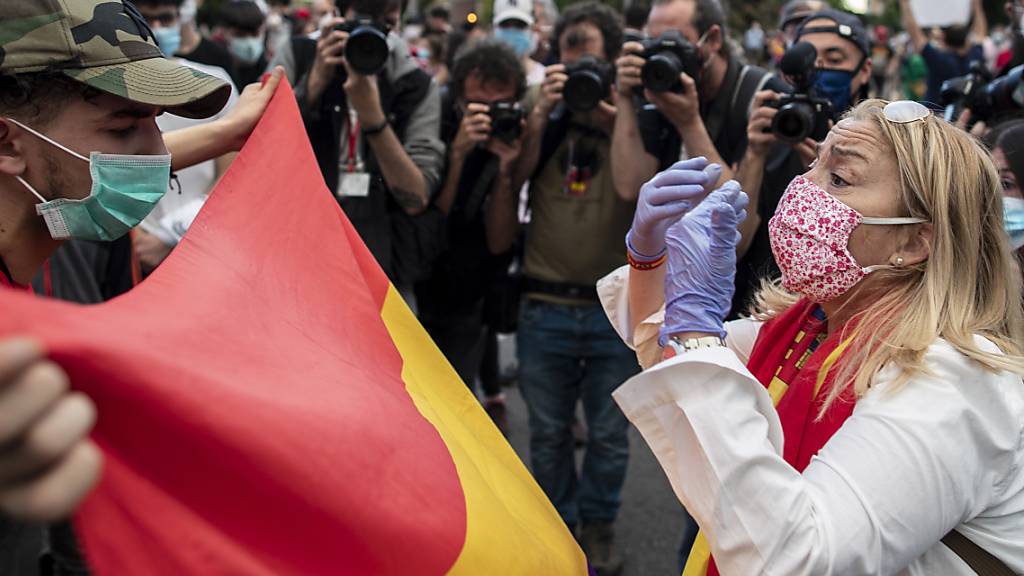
column 568, row 351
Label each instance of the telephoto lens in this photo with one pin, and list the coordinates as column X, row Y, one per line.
column 668, row 56
column 801, row 114
column 590, row 81
column 366, row 50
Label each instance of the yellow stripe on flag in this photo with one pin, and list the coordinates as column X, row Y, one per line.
column 699, row 560
column 776, row 388
column 511, row 527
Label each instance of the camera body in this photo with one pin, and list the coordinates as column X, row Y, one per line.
column 506, row 121
column 668, row 56
column 984, row 97
column 801, row 113
column 590, row 81
column 366, row 50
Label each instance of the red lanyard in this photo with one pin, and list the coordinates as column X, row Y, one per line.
column 352, row 133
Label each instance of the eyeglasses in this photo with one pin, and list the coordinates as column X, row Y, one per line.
column 905, row 112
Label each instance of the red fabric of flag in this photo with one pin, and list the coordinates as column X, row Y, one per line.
column 252, row 411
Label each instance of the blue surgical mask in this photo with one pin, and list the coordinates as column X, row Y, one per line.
column 1013, row 221
column 518, row 39
column 247, row 49
column 169, row 40
column 124, row 191
column 835, row 85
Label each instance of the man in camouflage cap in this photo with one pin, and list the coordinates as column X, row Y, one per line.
column 107, row 45
column 77, row 78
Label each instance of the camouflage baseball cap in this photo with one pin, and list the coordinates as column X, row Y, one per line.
column 105, row 44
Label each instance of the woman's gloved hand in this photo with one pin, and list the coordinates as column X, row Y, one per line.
column 699, row 283
column 664, row 199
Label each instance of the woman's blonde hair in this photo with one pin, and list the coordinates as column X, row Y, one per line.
column 966, row 287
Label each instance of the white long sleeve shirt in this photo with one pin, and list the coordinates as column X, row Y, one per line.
column 944, row 451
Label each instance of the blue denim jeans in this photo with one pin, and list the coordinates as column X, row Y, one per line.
column 567, row 354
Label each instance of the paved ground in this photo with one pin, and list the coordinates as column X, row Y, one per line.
column 649, row 527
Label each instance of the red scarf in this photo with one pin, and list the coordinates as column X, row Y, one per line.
column 798, row 377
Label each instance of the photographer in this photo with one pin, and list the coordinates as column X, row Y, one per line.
column 706, row 112
column 482, row 123
column 956, row 55
column 567, row 348
column 375, row 136
column 841, row 73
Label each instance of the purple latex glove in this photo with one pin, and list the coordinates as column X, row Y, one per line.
column 664, row 199
column 699, row 283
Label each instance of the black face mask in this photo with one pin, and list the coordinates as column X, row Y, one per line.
column 956, row 36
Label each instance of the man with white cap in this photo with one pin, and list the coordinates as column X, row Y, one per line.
column 513, row 25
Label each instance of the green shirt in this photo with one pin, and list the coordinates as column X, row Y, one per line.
column 578, row 225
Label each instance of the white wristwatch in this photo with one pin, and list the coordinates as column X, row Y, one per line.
column 676, row 346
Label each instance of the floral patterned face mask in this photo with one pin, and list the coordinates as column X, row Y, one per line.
column 810, row 237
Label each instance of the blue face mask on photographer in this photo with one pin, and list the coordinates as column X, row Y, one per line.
column 835, row 85
column 169, row 40
column 247, row 49
column 1013, row 221
column 518, row 39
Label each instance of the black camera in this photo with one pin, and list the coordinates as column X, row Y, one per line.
column 801, row 113
column 668, row 56
column 366, row 50
column 506, row 121
column 980, row 94
column 590, row 81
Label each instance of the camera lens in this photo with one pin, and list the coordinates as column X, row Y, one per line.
column 794, row 122
column 661, row 72
column 583, row 91
column 366, row 50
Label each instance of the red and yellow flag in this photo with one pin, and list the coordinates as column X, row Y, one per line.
column 269, row 405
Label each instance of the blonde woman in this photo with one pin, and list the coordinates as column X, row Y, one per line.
column 869, row 419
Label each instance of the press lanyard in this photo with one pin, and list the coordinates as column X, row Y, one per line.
column 352, row 133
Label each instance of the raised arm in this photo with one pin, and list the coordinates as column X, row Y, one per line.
column 632, row 165
column 980, row 27
column 196, row 144
column 917, row 36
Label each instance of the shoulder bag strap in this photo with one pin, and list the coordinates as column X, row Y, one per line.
column 983, row 563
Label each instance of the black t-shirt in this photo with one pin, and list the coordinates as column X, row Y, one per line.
column 466, row 268
column 213, row 54
column 249, row 73
column 89, row 272
column 725, row 117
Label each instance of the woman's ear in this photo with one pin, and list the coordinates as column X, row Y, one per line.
column 12, row 153
column 917, row 247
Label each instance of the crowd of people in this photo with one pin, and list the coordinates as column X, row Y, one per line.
column 614, row 189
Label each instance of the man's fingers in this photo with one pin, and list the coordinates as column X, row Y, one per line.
column 964, row 119
column 270, row 81
column 29, row 398
column 50, row 438
column 16, row 354
column 328, row 26
column 55, row 494
column 764, row 96
column 633, row 47
column 689, row 86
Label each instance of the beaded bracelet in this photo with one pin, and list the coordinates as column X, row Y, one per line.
column 645, row 265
